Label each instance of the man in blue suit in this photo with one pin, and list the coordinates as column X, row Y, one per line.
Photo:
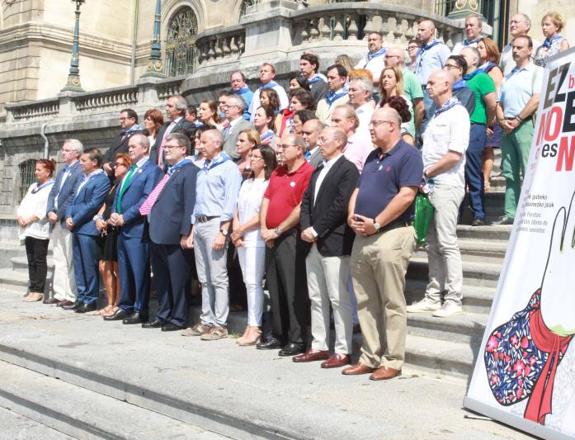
column 169, row 209
column 88, row 199
column 133, row 243
column 61, row 195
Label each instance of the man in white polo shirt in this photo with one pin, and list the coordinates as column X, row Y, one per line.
column 445, row 141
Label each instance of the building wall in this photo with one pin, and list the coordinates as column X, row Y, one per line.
column 536, row 9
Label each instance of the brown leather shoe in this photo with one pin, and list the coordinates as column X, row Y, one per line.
column 356, row 369
column 336, row 360
column 51, row 301
column 384, row 373
column 311, row 356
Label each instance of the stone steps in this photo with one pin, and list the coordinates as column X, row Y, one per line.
column 82, row 414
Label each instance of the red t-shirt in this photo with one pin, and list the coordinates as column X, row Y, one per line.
column 285, row 192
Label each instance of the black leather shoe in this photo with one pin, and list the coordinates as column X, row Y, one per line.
column 169, row 327
column 85, row 308
column 292, row 349
column 72, row 306
column 118, row 316
column 156, row 323
column 269, row 344
column 52, row 301
column 135, row 318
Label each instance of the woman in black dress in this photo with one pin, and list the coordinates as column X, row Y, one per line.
column 109, row 260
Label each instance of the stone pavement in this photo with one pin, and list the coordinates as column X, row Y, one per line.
column 238, row 392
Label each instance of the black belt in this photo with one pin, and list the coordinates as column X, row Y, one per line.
column 205, row 218
column 393, row 225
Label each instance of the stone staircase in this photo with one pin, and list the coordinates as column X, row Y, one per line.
column 434, row 345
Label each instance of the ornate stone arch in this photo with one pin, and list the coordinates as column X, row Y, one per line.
column 180, row 39
column 169, row 7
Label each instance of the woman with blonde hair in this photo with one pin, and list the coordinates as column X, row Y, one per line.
column 391, row 84
column 551, row 24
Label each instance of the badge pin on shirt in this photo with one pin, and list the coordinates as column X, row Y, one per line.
column 292, row 184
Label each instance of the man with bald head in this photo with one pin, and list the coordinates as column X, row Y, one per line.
column 323, row 224
column 285, row 254
column 380, row 212
column 217, row 191
column 519, row 26
column 310, row 132
column 445, row 142
column 432, row 55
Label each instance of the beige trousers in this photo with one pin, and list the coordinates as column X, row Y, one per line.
column 327, row 285
column 64, row 285
column 378, row 266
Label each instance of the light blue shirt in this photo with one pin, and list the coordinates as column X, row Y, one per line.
column 518, row 87
column 430, row 58
column 217, row 188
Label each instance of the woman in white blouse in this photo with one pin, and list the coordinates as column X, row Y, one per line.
column 247, row 238
column 35, row 228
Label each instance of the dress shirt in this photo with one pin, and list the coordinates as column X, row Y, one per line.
column 375, row 64
column 364, row 113
column 506, row 62
column 358, row 147
column 64, row 177
column 430, row 57
column 217, row 188
column 447, row 130
column 325, row 169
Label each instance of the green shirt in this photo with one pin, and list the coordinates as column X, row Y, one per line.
column 412, row 91
column 480, row 84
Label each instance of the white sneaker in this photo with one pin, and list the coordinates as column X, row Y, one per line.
column 449, row 308
column 425, row 305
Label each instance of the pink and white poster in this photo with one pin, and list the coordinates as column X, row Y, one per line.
column 524, row 373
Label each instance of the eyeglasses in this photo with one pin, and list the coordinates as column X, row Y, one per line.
column 452, row 66
column 412, row 47
column 286, row 146
column 255, row 157
column 378, row 123
column 392, row 56
column 171, row 147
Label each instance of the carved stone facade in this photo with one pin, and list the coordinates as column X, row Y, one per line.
column 203, row 41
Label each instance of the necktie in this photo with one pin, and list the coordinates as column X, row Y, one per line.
column 207, row 164
column 124, row 187
column 148, row 204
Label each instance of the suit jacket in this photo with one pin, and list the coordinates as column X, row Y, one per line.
column 328, row 215
column 232, row 137
column 182, row 126
column 171, row 215
column 87, row 202
column 137, row 191
column 65, row 195
column 120, row 145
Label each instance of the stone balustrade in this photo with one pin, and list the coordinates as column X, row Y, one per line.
column 219, row 45
column 144, row 95
column 350, row 21
column 43, row 109
column 116, row 97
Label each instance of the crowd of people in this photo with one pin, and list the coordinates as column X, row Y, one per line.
column 308, row 191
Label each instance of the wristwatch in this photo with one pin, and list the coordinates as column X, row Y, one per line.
column 225, row 232
column 278, row 231
column 376, row 225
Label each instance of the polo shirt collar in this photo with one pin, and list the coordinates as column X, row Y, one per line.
column 392, row 151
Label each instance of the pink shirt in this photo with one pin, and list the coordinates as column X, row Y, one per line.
column 358, row 147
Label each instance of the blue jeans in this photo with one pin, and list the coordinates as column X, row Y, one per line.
column 85, row 257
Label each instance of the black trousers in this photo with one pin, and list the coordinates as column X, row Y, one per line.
column 287, row 284
column 36, row 252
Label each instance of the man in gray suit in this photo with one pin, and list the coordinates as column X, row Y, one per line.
column 310, row 132
column 61, row 195
column 236, row 123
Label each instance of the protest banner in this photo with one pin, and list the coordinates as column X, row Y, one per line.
column 524, row 373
